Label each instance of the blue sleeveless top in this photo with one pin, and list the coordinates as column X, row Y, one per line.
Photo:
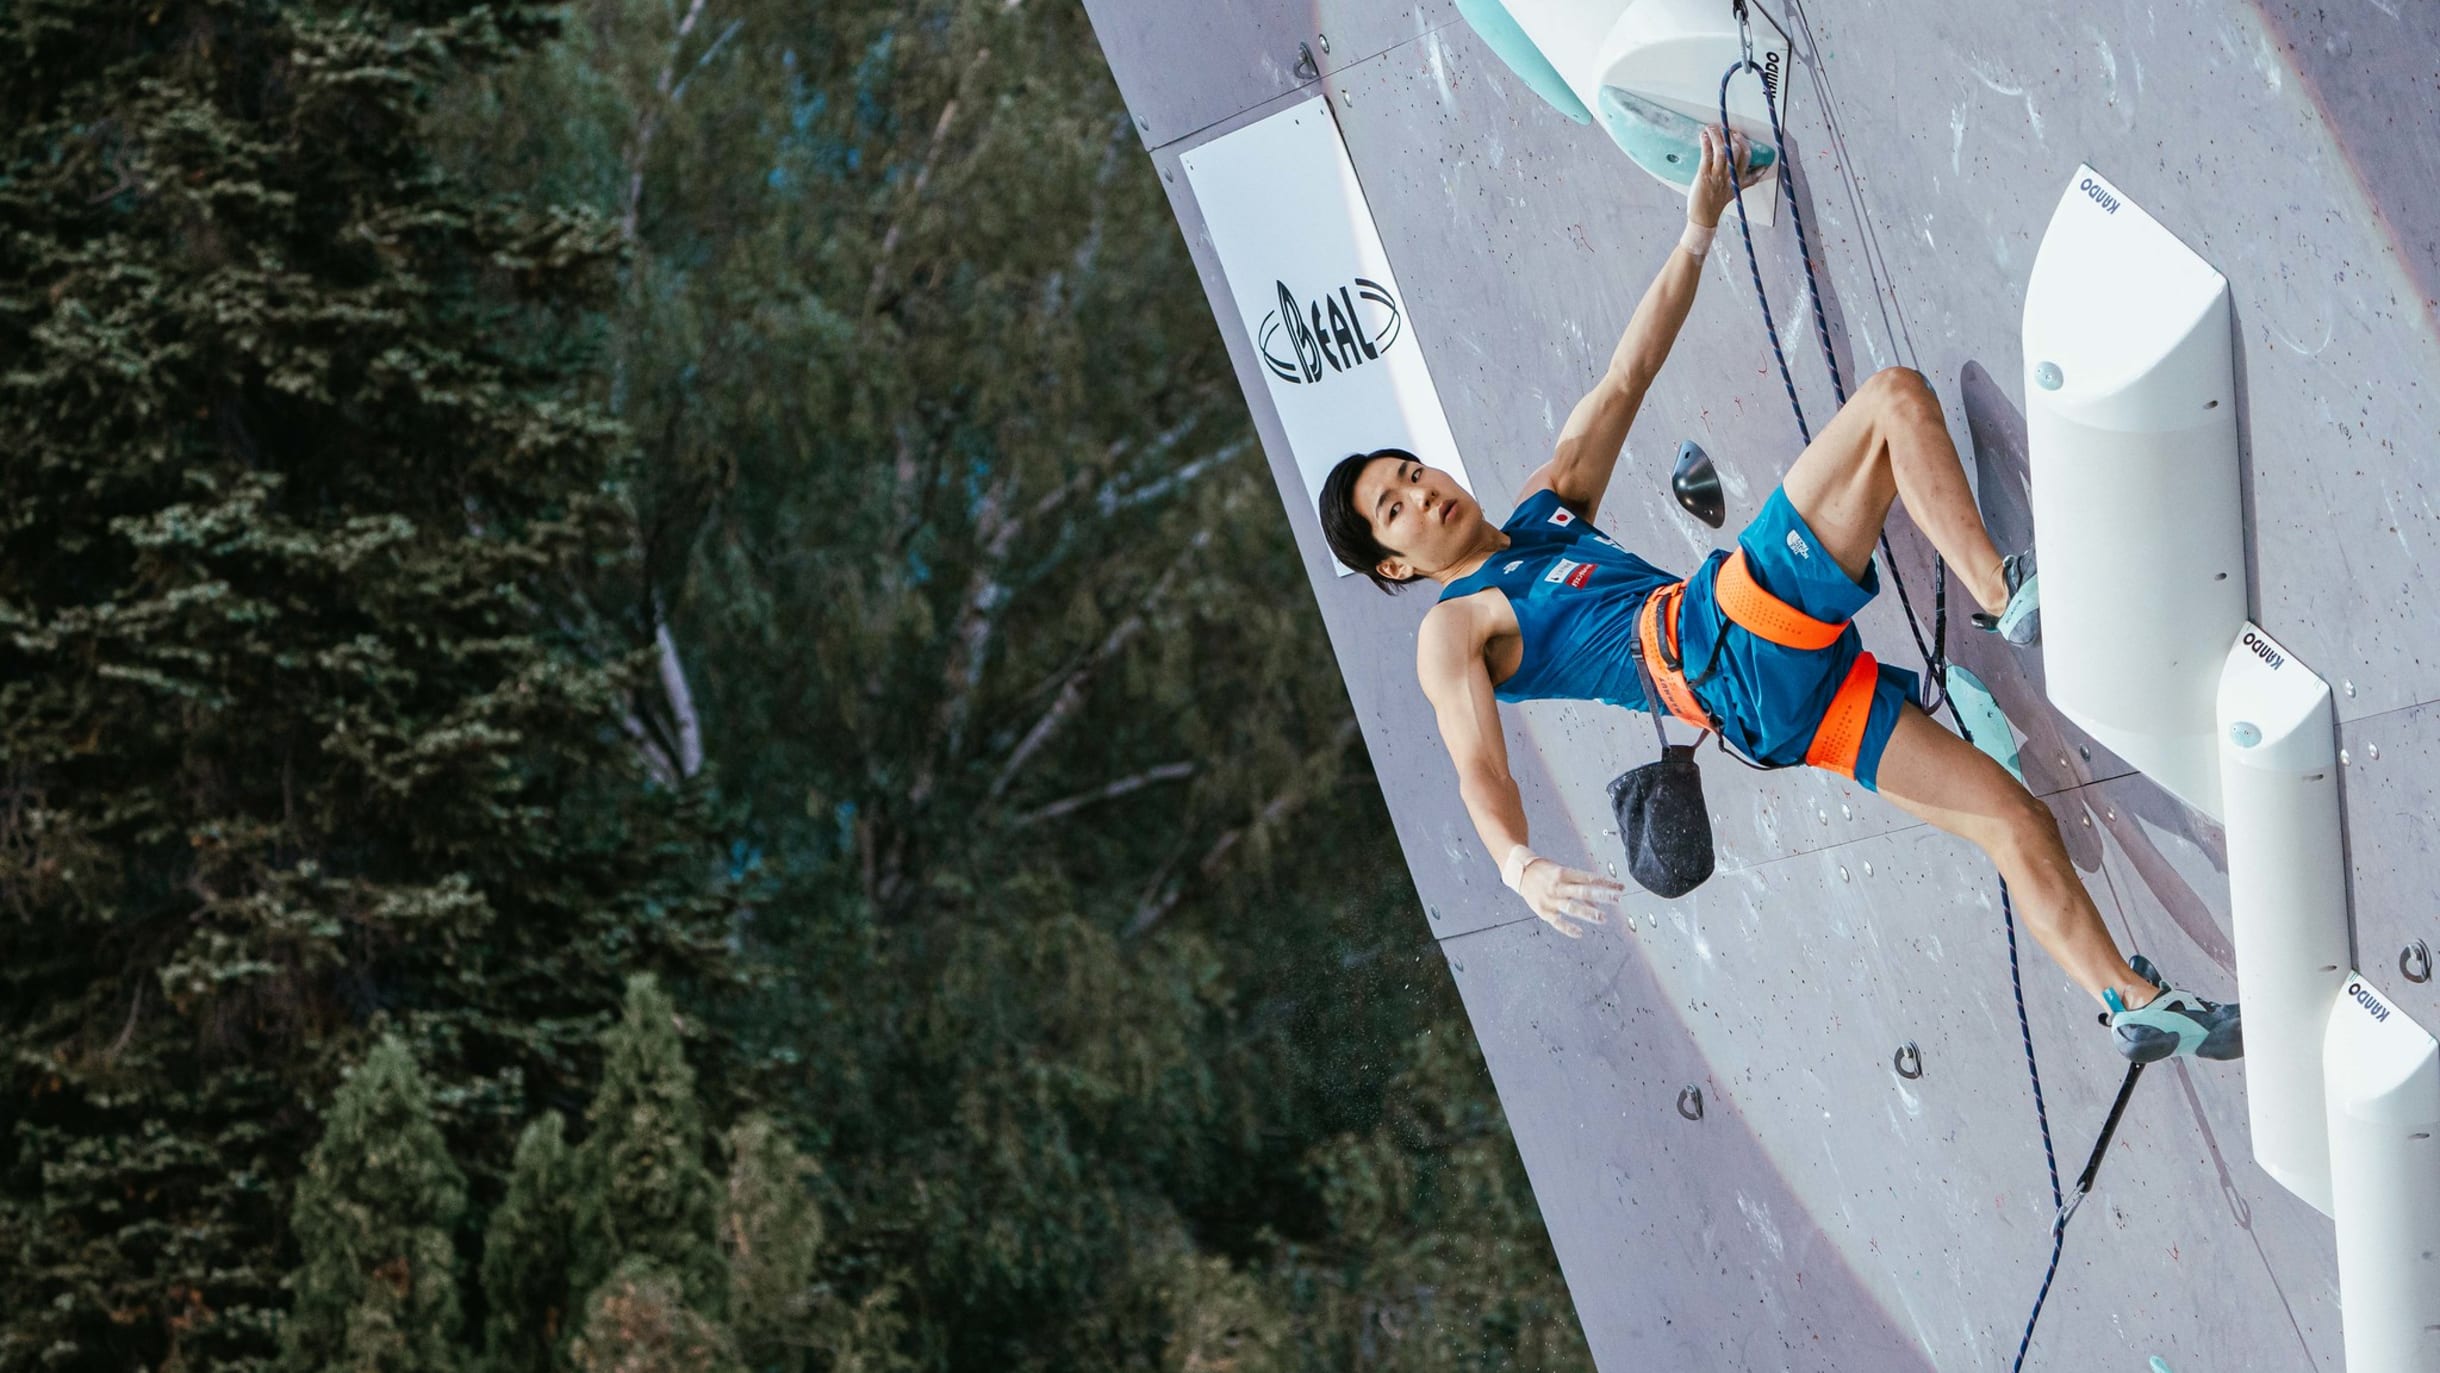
column 1576, row 595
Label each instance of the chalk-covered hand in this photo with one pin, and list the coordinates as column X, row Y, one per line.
column 1711, row 189
column 1569, row 900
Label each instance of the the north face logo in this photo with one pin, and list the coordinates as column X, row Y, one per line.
column 1514, row 565
column 1563, row 516
column 1798, row 546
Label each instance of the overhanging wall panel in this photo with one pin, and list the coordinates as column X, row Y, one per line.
column 1961, row 123
column 2392, row 787
column 1523, row 242
column 1183, row 67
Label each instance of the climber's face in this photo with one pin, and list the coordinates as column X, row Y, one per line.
column 1420, row 512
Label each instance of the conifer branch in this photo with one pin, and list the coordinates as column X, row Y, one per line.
column 1288, row 799
column 678, row 92
column 1114, row 500
column 1072, row 692
column 923, row 178
column 1166, row 772
column 681, row 701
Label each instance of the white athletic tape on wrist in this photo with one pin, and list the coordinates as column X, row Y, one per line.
column 1512, row 868
column 1697, row 238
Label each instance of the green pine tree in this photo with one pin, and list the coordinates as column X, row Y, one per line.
column 642, row 1188
column 377, row 1292
column 308, row 707
column 1433, row 1258
column 1088, row 922
column 525, row 1254
column 771, row 1232
column 639, row 1321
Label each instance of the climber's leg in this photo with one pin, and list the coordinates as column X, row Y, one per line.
column 1890, row 441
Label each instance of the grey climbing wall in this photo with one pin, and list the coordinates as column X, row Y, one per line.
column 1824, row 1212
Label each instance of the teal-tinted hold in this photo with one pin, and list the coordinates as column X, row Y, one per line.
column 1661, row 140
column 1984, row 720
column 2160, row 1365
column 1492, row 22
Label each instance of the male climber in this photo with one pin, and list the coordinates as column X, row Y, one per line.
column 1756, row 645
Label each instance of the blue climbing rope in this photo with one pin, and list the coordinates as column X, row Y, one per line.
column 1934, row 654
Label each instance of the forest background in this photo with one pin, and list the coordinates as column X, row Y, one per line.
column 655, row 713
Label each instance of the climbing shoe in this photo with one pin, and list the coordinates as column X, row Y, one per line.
column 2173, row 1023
column 2020, row 623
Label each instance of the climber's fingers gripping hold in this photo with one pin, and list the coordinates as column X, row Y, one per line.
column 1745, row 159
column 1712, row 188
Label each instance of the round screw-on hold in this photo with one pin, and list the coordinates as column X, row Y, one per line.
column 2372, row 751
column 1908, row 1061
column 1690, row 1103
column 2047, row 376
column 2350, row 688
column 1325, row 41
column 2415, row 962
column 2245, row 734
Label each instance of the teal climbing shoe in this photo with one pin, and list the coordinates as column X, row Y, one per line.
column 2173, row 1023
column 2020, row 623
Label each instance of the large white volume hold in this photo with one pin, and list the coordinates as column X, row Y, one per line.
column 2287, row 897
column 1649, row 71
column 2384, row 1080
column 2130, row 407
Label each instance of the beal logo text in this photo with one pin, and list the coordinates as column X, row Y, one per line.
column 2364, row 998
column 2263, row 650
column 2100, row 197
column 1303, row 342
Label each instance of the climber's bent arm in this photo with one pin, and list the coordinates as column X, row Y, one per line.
column 1597, row 428
column 1449, row 660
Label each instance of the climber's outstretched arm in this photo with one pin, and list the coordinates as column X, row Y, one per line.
column 1587, row 451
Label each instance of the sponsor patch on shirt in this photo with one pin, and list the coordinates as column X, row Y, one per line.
column 1569, row 573
column 1513, row 566
column 1798, row 546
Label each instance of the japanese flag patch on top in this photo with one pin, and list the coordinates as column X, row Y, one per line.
column 1563, row 516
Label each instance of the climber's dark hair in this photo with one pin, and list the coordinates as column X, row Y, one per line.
column 1347, row 530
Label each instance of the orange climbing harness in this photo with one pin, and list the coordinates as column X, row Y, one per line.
column 1744, row 601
